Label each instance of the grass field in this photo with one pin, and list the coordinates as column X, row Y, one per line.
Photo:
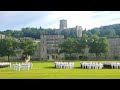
column 46, row 70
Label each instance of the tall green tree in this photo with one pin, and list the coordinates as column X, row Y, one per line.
column 8, row 47
column 98, row 45
column 68, row 46
column 112, row 33
column 81, row 44
column 8, row 32
column 93, row 45
column 28, row 46
column 103, row 45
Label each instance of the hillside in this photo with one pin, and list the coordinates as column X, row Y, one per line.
column 110, row 31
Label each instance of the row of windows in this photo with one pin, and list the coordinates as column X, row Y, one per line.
column 52, row 39
column 53, row 57
column 51, row 51
column 52, row 45
column 52, row 42
column 53, row 36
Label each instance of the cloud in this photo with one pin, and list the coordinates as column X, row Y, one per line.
column 16, row 19
column 73, row 17
column 50, row 19
column 106, row 18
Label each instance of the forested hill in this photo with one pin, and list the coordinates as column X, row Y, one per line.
column 110, row 31
column 28, row 32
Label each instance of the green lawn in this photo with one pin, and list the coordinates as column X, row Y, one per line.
column 46, row 70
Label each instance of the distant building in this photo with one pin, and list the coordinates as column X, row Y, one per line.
column 114, row 48
column 2, row 36
column 75, row 31
column 63, row 24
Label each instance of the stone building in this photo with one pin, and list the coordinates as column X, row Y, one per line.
column 114, row 48
column 49, row 47
column 36, row 56
column 2, row 36
column 63, row 24
column 76, row 31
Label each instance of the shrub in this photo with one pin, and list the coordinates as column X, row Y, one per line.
column 116, row 57
column 83, row 58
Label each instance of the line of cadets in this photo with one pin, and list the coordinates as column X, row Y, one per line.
column 114, row 65
column 5, row 64
column 64, row 64
column 24, row 66
column 88, row 65
column 91, row 65
column 85, row 65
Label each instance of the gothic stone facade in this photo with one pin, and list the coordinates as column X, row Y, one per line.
column 49, row 47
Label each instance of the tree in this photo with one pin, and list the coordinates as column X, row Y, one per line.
column 8, row 32
column 95, row 31
column 112, row 34
column 81, row 44
column 68, row 46
column 93, row 45
column 89, row 33
column 8, row 47
column 103, row 45
column 17, row 34
column 98, row 45
column 28, row 46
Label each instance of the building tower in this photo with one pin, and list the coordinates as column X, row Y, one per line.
column 79, row 31
column 63, row 24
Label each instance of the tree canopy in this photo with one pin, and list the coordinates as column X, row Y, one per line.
column 98, row 45
column 28, row 46
column 8, row 47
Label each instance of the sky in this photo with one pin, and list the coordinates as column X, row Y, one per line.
column 15, row 20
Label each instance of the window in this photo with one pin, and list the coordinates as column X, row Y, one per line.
column 53, row 56
column 50, row 42
column 52, row 50
column 48, row 39
column 56, row 50
column 48, row 57
column 56, row 42
column 48, row 51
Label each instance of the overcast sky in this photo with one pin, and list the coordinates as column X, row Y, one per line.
column 16, row 20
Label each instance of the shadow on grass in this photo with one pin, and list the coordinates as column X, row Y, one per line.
column 50, row 67
column 55, row 68
column 77, row 68
column 73, row 68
